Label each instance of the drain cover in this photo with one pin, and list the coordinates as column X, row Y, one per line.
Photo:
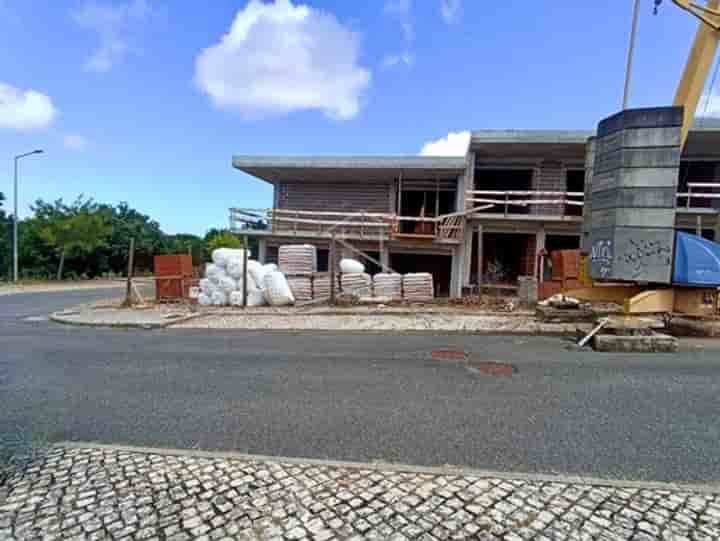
column 449, row 354
column 493, row 368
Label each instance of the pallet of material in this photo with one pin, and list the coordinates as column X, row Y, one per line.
column 356, row 283
column 321, row 286
column 301, row 287
column 388, row 285
column 418, row 287
column 297, row 259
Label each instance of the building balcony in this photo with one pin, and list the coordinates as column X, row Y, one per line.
column 347, row 225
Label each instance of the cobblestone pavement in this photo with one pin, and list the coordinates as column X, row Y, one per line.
column 107, row 493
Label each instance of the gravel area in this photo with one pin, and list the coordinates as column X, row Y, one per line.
column 388, row 322
column 107, row 493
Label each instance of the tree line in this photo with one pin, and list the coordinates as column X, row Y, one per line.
column 86, row 239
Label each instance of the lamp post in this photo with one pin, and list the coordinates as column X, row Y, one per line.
column 15, row 214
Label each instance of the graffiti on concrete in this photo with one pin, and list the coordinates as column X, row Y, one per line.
column 602, row 257
column 643, row 254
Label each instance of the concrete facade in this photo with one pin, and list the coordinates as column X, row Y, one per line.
column 629, row 165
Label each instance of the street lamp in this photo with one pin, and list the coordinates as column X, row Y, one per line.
column 15, row 214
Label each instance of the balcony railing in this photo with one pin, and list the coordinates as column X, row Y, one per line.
column 507, row 202
column 356, row 225
column 699, row 195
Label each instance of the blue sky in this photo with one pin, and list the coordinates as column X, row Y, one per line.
column 128, row 106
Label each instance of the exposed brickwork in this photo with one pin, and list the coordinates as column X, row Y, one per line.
column 550, row 176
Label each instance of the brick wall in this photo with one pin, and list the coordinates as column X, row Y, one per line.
column 550, row 176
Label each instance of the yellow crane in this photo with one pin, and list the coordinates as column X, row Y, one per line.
column 689, row 92
column 700, row 61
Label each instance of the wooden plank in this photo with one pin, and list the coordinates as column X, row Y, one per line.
column 696, row 301
column 617, row 294
column 654, row 301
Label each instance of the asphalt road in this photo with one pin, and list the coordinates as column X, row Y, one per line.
column 360, row 397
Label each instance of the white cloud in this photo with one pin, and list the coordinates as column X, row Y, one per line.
column 454, row 144
column 25, row 110
column 402, row 10
column 450, row 10
column 395, row 59
column 113, row 24
column 280, row 57
column 73, row 141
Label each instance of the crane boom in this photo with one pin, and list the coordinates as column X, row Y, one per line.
column 702, row 54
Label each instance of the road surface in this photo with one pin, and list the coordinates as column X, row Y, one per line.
column 360, row 397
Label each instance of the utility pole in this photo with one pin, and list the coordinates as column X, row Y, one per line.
column 631, row 55
column 15, row 213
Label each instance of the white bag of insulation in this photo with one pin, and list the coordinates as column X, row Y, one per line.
column 277, row 291
column 351, row 266
column 227, row 285
column 207, row 286
column 204, row 300
column 213, row 272
column 222, row 256
column 219, row 298
column 256, row 271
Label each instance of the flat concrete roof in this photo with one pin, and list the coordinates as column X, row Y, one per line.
column 480, row 137
column 348, row 168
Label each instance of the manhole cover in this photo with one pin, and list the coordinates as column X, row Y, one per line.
column 493, row 368
column 449, row 354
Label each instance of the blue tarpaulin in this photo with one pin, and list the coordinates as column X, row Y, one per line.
column 697, row 261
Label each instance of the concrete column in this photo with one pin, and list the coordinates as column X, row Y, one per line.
column 467, row 253
column 385, row 255
column 262, row 250
column 456, row 272
column 480, row 258
column 540, row 237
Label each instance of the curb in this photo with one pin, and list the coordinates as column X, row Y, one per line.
column 57, row 317
column 403, row 468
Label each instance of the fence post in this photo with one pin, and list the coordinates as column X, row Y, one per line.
column 689, row 196
column 131, row 266
column 507, row 196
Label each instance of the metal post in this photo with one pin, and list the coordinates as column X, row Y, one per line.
column 332, row 256
column 631, row 54
column 15, row 213
column 698, row 225
column 15, row 226
column 245, row 271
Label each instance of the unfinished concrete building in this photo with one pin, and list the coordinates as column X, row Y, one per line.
column 482, row 220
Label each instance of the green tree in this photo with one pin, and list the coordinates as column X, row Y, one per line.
column 5, row 240
column 79, row 228
column 221, row 238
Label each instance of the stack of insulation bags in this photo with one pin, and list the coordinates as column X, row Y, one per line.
column 223, row 282
column 354, row 279
column 418, row 287
column 388, row 285
column 299, row 262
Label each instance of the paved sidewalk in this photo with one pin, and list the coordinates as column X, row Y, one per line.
column 103, row 492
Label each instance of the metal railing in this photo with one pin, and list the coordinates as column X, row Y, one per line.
column 507, row 201
column 357, row 225
column 705, row 195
